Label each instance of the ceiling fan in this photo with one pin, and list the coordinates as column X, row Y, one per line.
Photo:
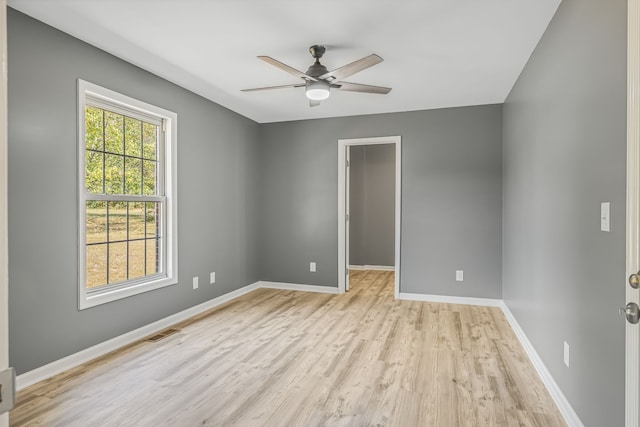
column 318, row 81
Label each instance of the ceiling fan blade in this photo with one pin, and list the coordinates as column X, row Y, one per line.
column 271, row 87
column 313, row 103
column 354, row 67
column 285, row 67
column 357, row 87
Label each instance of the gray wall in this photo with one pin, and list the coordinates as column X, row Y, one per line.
column 564, row 154
column 451, row 198
column 372, row 175
column 217, row 196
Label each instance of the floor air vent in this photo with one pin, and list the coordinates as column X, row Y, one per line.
column 161, row 335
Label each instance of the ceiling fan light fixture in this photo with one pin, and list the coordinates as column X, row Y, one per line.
column 317, row 91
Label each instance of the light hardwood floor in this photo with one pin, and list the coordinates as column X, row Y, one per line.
column 285, row 358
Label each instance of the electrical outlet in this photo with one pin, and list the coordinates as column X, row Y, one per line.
column 195, row 282
column 566, row 354
column 212, row 277
column 312, row 267
column 459, row 275
column 605, row 215
column 7, row 390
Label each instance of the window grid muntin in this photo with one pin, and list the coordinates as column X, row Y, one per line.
column 92, row 100
column 159, row 156
column 159, row 238
column 158, row 199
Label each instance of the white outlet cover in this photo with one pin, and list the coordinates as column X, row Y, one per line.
column 195, row 283
column 312, row 267
column 605, row 215
column 566, row 354
column 212, row 277
column 459, row 275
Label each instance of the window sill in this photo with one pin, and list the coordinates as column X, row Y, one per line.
column 88, row 300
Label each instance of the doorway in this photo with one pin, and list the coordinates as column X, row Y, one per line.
column 344, row 186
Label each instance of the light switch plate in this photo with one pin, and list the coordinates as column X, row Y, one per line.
column 7, row 390
column 605, row 214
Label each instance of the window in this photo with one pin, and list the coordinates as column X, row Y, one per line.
column 127, row 196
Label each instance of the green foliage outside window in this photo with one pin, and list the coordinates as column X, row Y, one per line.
column 121, row 154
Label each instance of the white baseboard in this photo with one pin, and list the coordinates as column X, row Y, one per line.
column 373, row 267
column 49, row 370
column 297, row 287
column 486, row 302
column 565, row 408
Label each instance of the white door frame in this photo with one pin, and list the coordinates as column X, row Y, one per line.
column 347, row 209
column 632, row 357
column 342, row 153
column 4, row 274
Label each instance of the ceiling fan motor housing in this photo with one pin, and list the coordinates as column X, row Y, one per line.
column 316, row 70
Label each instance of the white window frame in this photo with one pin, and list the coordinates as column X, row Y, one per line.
column 136, row 109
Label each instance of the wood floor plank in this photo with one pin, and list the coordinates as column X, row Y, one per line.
column 286, row 358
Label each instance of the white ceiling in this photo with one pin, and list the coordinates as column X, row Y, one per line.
column 437, row 53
